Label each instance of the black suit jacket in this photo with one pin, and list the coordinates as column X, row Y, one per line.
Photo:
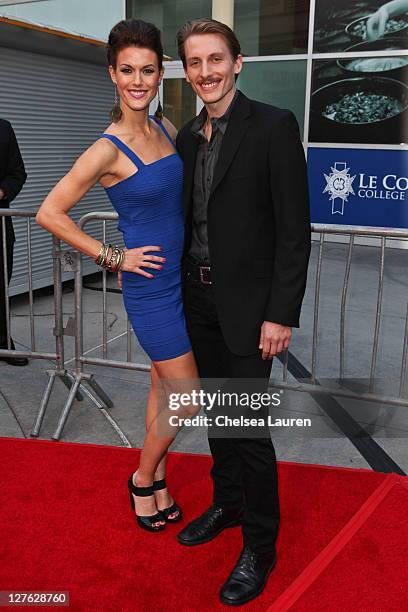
column 12, row 171
column 258, row 215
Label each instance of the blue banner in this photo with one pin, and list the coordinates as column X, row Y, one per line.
column 358, row 186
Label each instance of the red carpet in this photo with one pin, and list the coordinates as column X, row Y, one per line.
column 67, row 525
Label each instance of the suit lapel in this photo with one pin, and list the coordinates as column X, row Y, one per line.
column 237, row 126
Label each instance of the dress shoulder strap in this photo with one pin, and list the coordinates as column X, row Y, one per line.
column 160, row 123
column 124, row 148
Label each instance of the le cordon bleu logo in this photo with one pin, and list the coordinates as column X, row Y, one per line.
column 339, row 184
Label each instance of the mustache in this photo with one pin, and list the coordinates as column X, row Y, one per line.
column 208, row 81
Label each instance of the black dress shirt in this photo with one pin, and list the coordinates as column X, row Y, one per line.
column 207, row 156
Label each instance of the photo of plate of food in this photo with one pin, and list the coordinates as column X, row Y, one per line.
column 371, row 109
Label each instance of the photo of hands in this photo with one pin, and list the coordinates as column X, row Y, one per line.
column 345, row 25
column 360, row 99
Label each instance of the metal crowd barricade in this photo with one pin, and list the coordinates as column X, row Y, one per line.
column 58, row 356
column 77, row 387
column 81, row 383
column 382, row 233
column 312, row 385
column 82, row 380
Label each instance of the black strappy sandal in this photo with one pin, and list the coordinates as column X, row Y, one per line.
column 145, row 522
column 157, row 486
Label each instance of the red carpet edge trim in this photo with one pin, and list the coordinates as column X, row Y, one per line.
column 319, row 563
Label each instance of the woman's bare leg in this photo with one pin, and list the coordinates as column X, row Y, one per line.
column 151, row 414
column 153, row 455
column 163, row 497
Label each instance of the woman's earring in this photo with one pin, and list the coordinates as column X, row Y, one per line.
column 159, row 110
column 116, row 112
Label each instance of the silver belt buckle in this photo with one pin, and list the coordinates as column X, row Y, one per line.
column 202, row 268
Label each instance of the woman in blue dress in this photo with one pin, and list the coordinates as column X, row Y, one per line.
column 136, row 162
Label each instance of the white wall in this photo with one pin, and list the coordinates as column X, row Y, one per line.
column 93, row 18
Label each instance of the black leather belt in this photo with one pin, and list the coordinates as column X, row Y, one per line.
column 198, row 272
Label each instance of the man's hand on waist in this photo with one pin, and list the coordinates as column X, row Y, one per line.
column 275, row 338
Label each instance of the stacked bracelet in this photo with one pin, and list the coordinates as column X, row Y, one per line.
column 116, row 259
column 103, row 253
column 112, row 263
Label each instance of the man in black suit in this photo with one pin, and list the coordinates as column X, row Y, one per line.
column 12, row 179
column 246, row 256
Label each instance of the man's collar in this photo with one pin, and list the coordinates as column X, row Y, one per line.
column 218, row 122
column 199, row 122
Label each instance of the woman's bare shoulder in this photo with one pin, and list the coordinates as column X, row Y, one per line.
column 97, row 159
column 103, row 149
column 172, row 130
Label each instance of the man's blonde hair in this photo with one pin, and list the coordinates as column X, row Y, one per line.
column 205, row 25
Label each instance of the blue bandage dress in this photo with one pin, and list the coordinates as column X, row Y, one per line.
column 149, row 205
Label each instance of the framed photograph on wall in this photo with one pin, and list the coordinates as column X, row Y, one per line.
column 342, row 24
column 360, row 100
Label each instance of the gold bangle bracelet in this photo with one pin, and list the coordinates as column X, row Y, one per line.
column 101, row 254
column 112, row 261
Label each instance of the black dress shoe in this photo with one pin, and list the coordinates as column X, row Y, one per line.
column 207, row 526
column 248, row 578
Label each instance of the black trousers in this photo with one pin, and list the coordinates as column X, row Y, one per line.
column 244, row 472
column 10, row 252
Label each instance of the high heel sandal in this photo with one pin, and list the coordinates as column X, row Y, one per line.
column 145, row 522
column 157, row 486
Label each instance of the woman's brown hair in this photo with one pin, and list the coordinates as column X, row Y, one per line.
column 136, row 33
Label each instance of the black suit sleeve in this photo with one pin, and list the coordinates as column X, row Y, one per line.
column 290, row 199
column 15, row 175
